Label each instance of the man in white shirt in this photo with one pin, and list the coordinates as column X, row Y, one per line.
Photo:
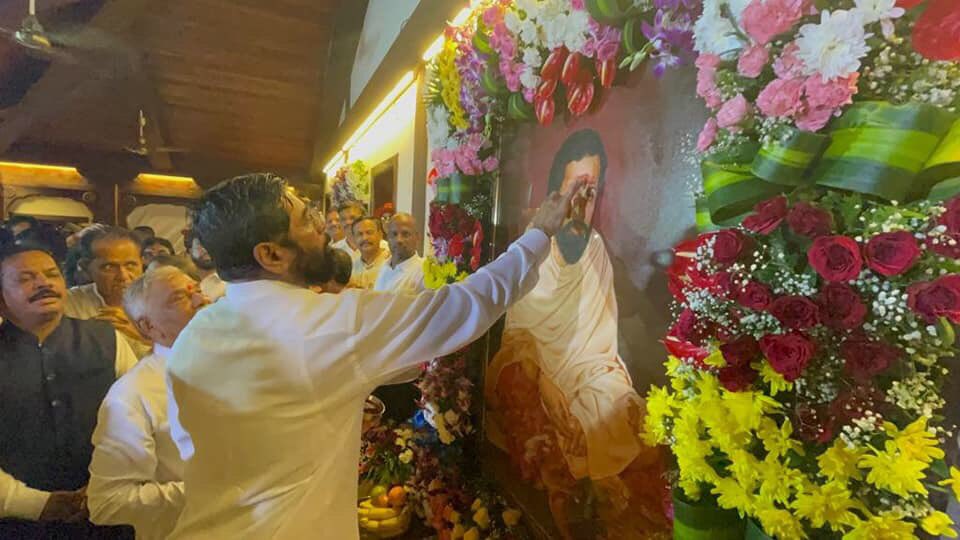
column 271, row 380
column 349, row 214
column 112, row 258
column 404, row 272
column 136, row 472
column 210, row 283
column 56, row 371
column 368, row 235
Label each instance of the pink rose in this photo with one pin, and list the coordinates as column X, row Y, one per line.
column 814, row 119
column 734, row 111
column 763, row 20
column 781, row 98
column 753, row 60
column 789, row 66
column 707, row 135
column 830, row 94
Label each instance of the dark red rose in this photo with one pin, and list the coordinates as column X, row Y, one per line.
column 813, row 423
column 795, row 312
column 933, row 299
column 951, row 218
column 737, row 378
column 728, row 245
column 841, row 307
column 947, row 245
column 741, row 351
column 788, row 353
column 685, row 329
column 865, row 358
column 755, row 295
column 835, row 258
column 852, row 403
column 720, row 284
column 455, row 249
column 892, row 253
column 808, row 220
column 767, row 215
column 936, row 34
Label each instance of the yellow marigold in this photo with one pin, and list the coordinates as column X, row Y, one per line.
column 730, row 494
column 953, row 482
column 830, row 505
column 894, row 472
column 916, row 441
column 780, row 524
column 778, row 441
column 775, row 380
column 886, row 526
column 839, row 462
column 938, row 524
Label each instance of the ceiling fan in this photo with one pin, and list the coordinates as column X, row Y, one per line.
column 53, row 45
column 142, row 149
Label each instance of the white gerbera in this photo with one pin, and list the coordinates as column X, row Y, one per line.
column 834, row 47
column 713, row 33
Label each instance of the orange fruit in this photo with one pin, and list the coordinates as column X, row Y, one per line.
column 397, row 496
column 381, row 501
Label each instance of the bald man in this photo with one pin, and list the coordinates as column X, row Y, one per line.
column 404, row 272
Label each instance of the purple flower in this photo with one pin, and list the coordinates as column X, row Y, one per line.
column 671, row 37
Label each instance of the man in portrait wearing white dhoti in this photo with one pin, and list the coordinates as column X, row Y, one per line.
column 558, row 383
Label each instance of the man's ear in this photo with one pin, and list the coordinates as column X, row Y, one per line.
column 272, row 257
column 144, row 326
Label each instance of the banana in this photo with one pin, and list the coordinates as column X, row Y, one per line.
column 381, row 514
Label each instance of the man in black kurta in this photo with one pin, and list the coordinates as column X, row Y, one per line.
column 55, row 372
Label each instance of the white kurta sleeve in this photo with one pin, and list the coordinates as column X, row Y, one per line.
column 395, row 332
column 19, row 501
column 122, row 488
column 126, row 358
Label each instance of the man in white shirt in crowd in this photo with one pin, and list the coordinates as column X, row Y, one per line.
column 136, row 472
column 349, row 214
column 333, row 227
column 55, row 372
column 111, row 257
column 368, row 235
column 271, row 380
column 210, row 283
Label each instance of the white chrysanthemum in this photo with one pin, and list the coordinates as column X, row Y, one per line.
column 530, row 78
column 528, row 31
column 532, row 56
column 575, row 29
column 438, row 126
column 713, row 33
column 530, row 7
column 511, row 19
column 877, row 10
column 834, row 47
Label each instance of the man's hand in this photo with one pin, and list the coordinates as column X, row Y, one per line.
column 554, row 211
column 117, row 318
column 66, row 506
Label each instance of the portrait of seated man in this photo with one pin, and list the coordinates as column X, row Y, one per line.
column 561, row 402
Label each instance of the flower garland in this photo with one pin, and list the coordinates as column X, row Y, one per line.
column 351, row 183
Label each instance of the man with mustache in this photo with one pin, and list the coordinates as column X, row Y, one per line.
column 56, row 370
column 271, row 380
column 368, row 235
column 350, row 213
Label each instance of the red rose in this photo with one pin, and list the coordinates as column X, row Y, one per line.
column 455, row 249
column 728, row 245
column 795, row 312
column 893, row 253
column 933, row 299
column 852, row 403
column 841, row 307
column 836, row 258
column 767, row 215
column 865, row 358
column 719, row 284
column 946, row 245
column 685, row 329
column 951, row 218
column 755, row 295
column 741, row 351
column 788, row 354
column 737, row 378
column 936, row 34
column 808, row 220
column 813, row 424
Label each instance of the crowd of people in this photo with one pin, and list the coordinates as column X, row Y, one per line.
column 218, row 393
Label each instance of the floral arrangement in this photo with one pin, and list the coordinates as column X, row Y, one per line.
column 351, row 183
column 806, row 365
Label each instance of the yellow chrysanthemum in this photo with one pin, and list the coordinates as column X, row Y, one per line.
column 708, row 388
column 894, row 472
column 715, row 359
column 748, row 409
column 830, row 505
column 778, row 481
column 436, row 275
column 780, row 524
column 953, row 482
column 730, row 494
column 745, row 468
column 449, row 79
column 886, row 526
column 839, row 462
column 775, row 380
column 938, row 524
column 916, row 441
column 778, row 441
column 691, row 460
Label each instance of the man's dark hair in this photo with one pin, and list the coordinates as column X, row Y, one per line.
column 372, row 219
column 103, row 233
column 236, row 215
column 158, row 240
column 9, row 249
column 342, row 267
column 356, row 205
column 146, row 230
column 46, row 236
column 17, row 219
column 578, row 145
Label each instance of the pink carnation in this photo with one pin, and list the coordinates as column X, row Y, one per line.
column 830, row 94
column 707, row 87
column 708, row 61
column 814, row 119
column 753, row 60
column 577, row 4
column 707, row 135
column 490, row 164
column 733, row 112
column 781, row 98
column 788, row 65
column 763, row 20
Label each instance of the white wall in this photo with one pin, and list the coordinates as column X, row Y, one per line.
column 381, row 26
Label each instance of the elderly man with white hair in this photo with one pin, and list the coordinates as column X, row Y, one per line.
column 136, row 470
